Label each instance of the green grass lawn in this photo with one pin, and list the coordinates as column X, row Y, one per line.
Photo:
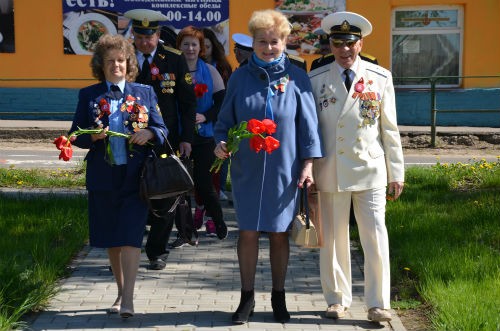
column 444, row 235
column 445, row 244
column 40, row 235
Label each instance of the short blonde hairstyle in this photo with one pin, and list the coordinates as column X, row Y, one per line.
column 269, row 19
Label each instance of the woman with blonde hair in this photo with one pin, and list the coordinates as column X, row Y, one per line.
column 265, row 186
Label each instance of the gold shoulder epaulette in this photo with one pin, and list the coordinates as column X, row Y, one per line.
column 171, row 49
column 296, row 58
column 319, row 70
column 369, row 56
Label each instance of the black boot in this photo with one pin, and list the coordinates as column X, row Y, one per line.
column 278, row 303
column 245, row 309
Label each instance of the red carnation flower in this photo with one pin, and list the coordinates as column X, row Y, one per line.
column 257, row 143
column 66, row 153
column 200, row 89
column 256, row 126
column 270, row 126
column 270, row 144
column 61, row 142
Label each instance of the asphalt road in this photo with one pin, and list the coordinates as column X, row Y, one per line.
column 49, row 158
column 44, row 155
column 37, row 158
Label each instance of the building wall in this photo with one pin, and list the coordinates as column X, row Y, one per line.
column 481, row 18
column 39, row 62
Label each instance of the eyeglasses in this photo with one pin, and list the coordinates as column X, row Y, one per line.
column 338, row 43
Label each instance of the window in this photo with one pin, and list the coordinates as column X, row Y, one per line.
column 427, row 41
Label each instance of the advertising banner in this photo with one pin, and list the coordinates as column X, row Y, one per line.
column 84, row 21
column 305, row 17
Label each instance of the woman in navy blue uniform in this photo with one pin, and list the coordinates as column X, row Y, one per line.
column 117, row 215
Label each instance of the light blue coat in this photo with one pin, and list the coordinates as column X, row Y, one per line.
column 264, row 185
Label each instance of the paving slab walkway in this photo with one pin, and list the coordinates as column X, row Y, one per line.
column 199, row 289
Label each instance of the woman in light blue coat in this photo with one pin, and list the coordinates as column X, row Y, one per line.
column 265, row 186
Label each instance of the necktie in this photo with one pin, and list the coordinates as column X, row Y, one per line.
column 115, row 92
column 347, row 80
column 145, row 70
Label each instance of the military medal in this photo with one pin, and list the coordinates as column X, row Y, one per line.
column 155, row 72
column 360, row 86
column 281, row 86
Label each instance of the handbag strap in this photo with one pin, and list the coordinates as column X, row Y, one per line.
column 167, row 143
column 304, row 206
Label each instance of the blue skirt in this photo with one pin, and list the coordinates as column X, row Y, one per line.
column 116, row 217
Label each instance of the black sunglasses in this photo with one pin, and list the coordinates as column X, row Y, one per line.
column 337, row 43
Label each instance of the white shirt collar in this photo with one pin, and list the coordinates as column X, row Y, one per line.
column 140, row 56
column 354, row 67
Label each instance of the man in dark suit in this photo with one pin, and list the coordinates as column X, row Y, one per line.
column 165, row 69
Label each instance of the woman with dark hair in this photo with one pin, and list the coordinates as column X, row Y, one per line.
column 216, row 55
column 209, row 89
column 117, row 215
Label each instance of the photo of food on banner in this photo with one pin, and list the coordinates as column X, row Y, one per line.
column 82, row 29
column 305, row 17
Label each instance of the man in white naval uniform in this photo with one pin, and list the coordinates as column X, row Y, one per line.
column 363, row 161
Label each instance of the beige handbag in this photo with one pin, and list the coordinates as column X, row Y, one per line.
column 304, row 231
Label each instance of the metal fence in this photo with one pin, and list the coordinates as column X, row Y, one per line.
column 433, row 82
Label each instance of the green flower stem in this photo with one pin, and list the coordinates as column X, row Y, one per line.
column 97, row 131
column 109, row 133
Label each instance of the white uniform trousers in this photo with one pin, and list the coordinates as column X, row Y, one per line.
column 335, row 255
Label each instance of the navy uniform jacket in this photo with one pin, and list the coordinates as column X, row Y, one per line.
column 174, row 89
column 98, row 176
column 329, row 58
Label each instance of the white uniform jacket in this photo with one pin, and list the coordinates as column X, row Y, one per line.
column 361, row 141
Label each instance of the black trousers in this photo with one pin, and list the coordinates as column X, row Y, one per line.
column 160, row 229
column 203, row 157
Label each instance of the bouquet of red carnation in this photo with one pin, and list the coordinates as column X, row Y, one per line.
column 259, row 133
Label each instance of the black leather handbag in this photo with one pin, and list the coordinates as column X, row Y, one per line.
column 166, row 176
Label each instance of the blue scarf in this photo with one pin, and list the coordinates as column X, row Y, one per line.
column 270, row 93
column 204, row 103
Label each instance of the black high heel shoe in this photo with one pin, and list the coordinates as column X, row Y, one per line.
column 221, row 230
column 278, row 304
column 245, row 308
